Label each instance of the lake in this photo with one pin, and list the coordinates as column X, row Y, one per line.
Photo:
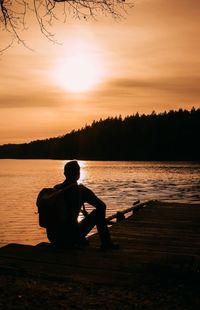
column 119, row 184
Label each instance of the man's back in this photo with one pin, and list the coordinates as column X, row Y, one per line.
column 71, row 202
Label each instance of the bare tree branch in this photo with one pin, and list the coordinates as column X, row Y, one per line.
column 13, row 14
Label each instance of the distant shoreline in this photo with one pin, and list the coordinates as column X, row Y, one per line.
column 168, row 136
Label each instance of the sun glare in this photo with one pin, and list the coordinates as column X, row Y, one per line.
column 80, row 70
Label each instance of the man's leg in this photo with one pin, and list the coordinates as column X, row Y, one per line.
column 96, row 217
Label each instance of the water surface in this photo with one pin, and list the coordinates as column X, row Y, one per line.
column 119, row 184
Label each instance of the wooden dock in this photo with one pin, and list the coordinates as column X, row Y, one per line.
column 158, row 236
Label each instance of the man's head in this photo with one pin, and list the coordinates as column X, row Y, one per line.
column 72, row 170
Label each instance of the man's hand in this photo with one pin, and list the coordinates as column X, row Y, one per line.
column 84, row 211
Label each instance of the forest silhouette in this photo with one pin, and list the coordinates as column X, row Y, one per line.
column 172, row 135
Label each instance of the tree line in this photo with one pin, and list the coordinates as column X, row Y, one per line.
column 172, row 135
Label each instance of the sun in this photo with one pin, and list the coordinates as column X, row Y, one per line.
column 80, row 71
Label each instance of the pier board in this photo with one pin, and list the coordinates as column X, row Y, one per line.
column 158, row 236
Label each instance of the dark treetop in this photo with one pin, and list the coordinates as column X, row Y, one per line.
column 172, row 135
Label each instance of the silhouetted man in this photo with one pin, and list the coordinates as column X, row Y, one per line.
column 70, row 232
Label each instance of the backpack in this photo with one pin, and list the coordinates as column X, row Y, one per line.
column 46, row 207
column 52, row 206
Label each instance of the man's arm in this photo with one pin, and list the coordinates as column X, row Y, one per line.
column 89, row 197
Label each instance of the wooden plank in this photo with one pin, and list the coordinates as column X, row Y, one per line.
column 158, row 234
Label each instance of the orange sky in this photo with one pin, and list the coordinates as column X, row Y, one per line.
column 147, row 61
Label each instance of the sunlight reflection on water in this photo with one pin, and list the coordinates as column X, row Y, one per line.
column 119, row 184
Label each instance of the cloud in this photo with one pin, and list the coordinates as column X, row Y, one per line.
column 129, row 95
column 174, row 84
column 37, row 99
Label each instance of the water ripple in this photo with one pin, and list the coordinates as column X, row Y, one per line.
column 119, row 184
